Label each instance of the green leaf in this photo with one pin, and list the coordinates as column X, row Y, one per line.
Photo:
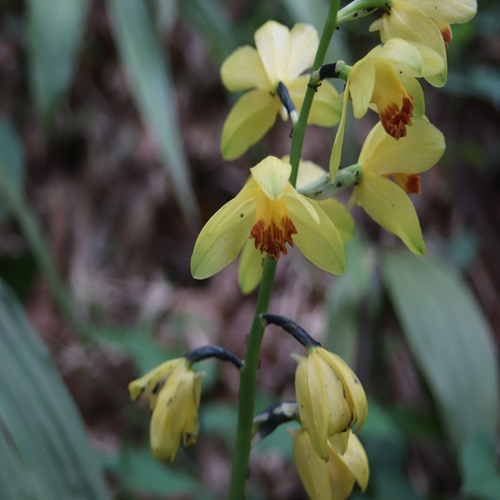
column 349, row 294
column 212, row 21
column 11, row 160
column 46, row 448
column 480, row 469
column 148, row 72
column 449, row 338
column 54, row 36
column 140, row 473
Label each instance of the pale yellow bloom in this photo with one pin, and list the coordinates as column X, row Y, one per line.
column 386, row 202
column 386, row 78
column 330, row 397
column 269, row 211
column 281, row 55
column 252, row 260
column 173, row 391
column 426, row 22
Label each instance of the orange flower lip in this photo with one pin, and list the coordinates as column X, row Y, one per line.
column 447, row 36
column 273, row 238
column 395, row 120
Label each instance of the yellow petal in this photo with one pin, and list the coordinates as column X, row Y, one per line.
column 388, row 205
column 417, row 152
column 271, row 175
column 146, row 384
column 410, row 23
column 311, row 398
column 175, row 415
column 317, row 238
column 308, row 172
column 361, row 85
column 404, row 58
column 250, row 268
column 249, row 119
column 243, row 70
column 273, row 44
column 224, row 235
column 449, row 11
column 336, row 153
column 304, row 43
column 341, row 479
column 326, row 106
column 353, row 390
column 312, row 470
column 340, row 217
column 356, row 461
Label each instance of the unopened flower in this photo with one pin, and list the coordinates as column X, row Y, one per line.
column 251, row 260
column 173, row 392
column 426, row 22
column 333, row 479
column 387, row 79
column 281, row 56
column 330, row 397
column 386, row 202
column 272, row 213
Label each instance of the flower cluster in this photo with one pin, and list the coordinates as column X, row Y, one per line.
column 289, row 202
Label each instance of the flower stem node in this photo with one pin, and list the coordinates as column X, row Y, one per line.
column 330, row 396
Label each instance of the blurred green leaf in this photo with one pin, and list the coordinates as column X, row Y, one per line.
column 12, row 199
column 219, row 418
column 139, row 472
column 388, row 478
column 11, row 161
column 54, row 36
column 138, row 343
column 212, row 21
column 44, row 438
column 483, row 83
column 148, row 72
column 348, row 294
column 480, row 467
column 450, row 339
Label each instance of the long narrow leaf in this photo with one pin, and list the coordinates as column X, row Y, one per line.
column 11, row 160
column 149, row 76
column 450, row 340
column 12, row 200
column 54, row 35
column 45, row 437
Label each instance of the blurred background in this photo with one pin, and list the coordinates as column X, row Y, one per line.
column 110, row 121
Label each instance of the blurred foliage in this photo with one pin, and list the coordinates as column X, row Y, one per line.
column 421, row 333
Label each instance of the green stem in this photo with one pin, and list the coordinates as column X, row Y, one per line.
column 33, row 233
column 248, row 377
column 300, row 128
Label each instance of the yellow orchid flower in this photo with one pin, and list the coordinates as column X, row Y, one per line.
column 334, row 479
column 386, row 78
column 385, row 201
column 330, row 397
column 252, row 261
column 280, row 56
column 426, row 22
column 272, row 213
column 173, row 391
